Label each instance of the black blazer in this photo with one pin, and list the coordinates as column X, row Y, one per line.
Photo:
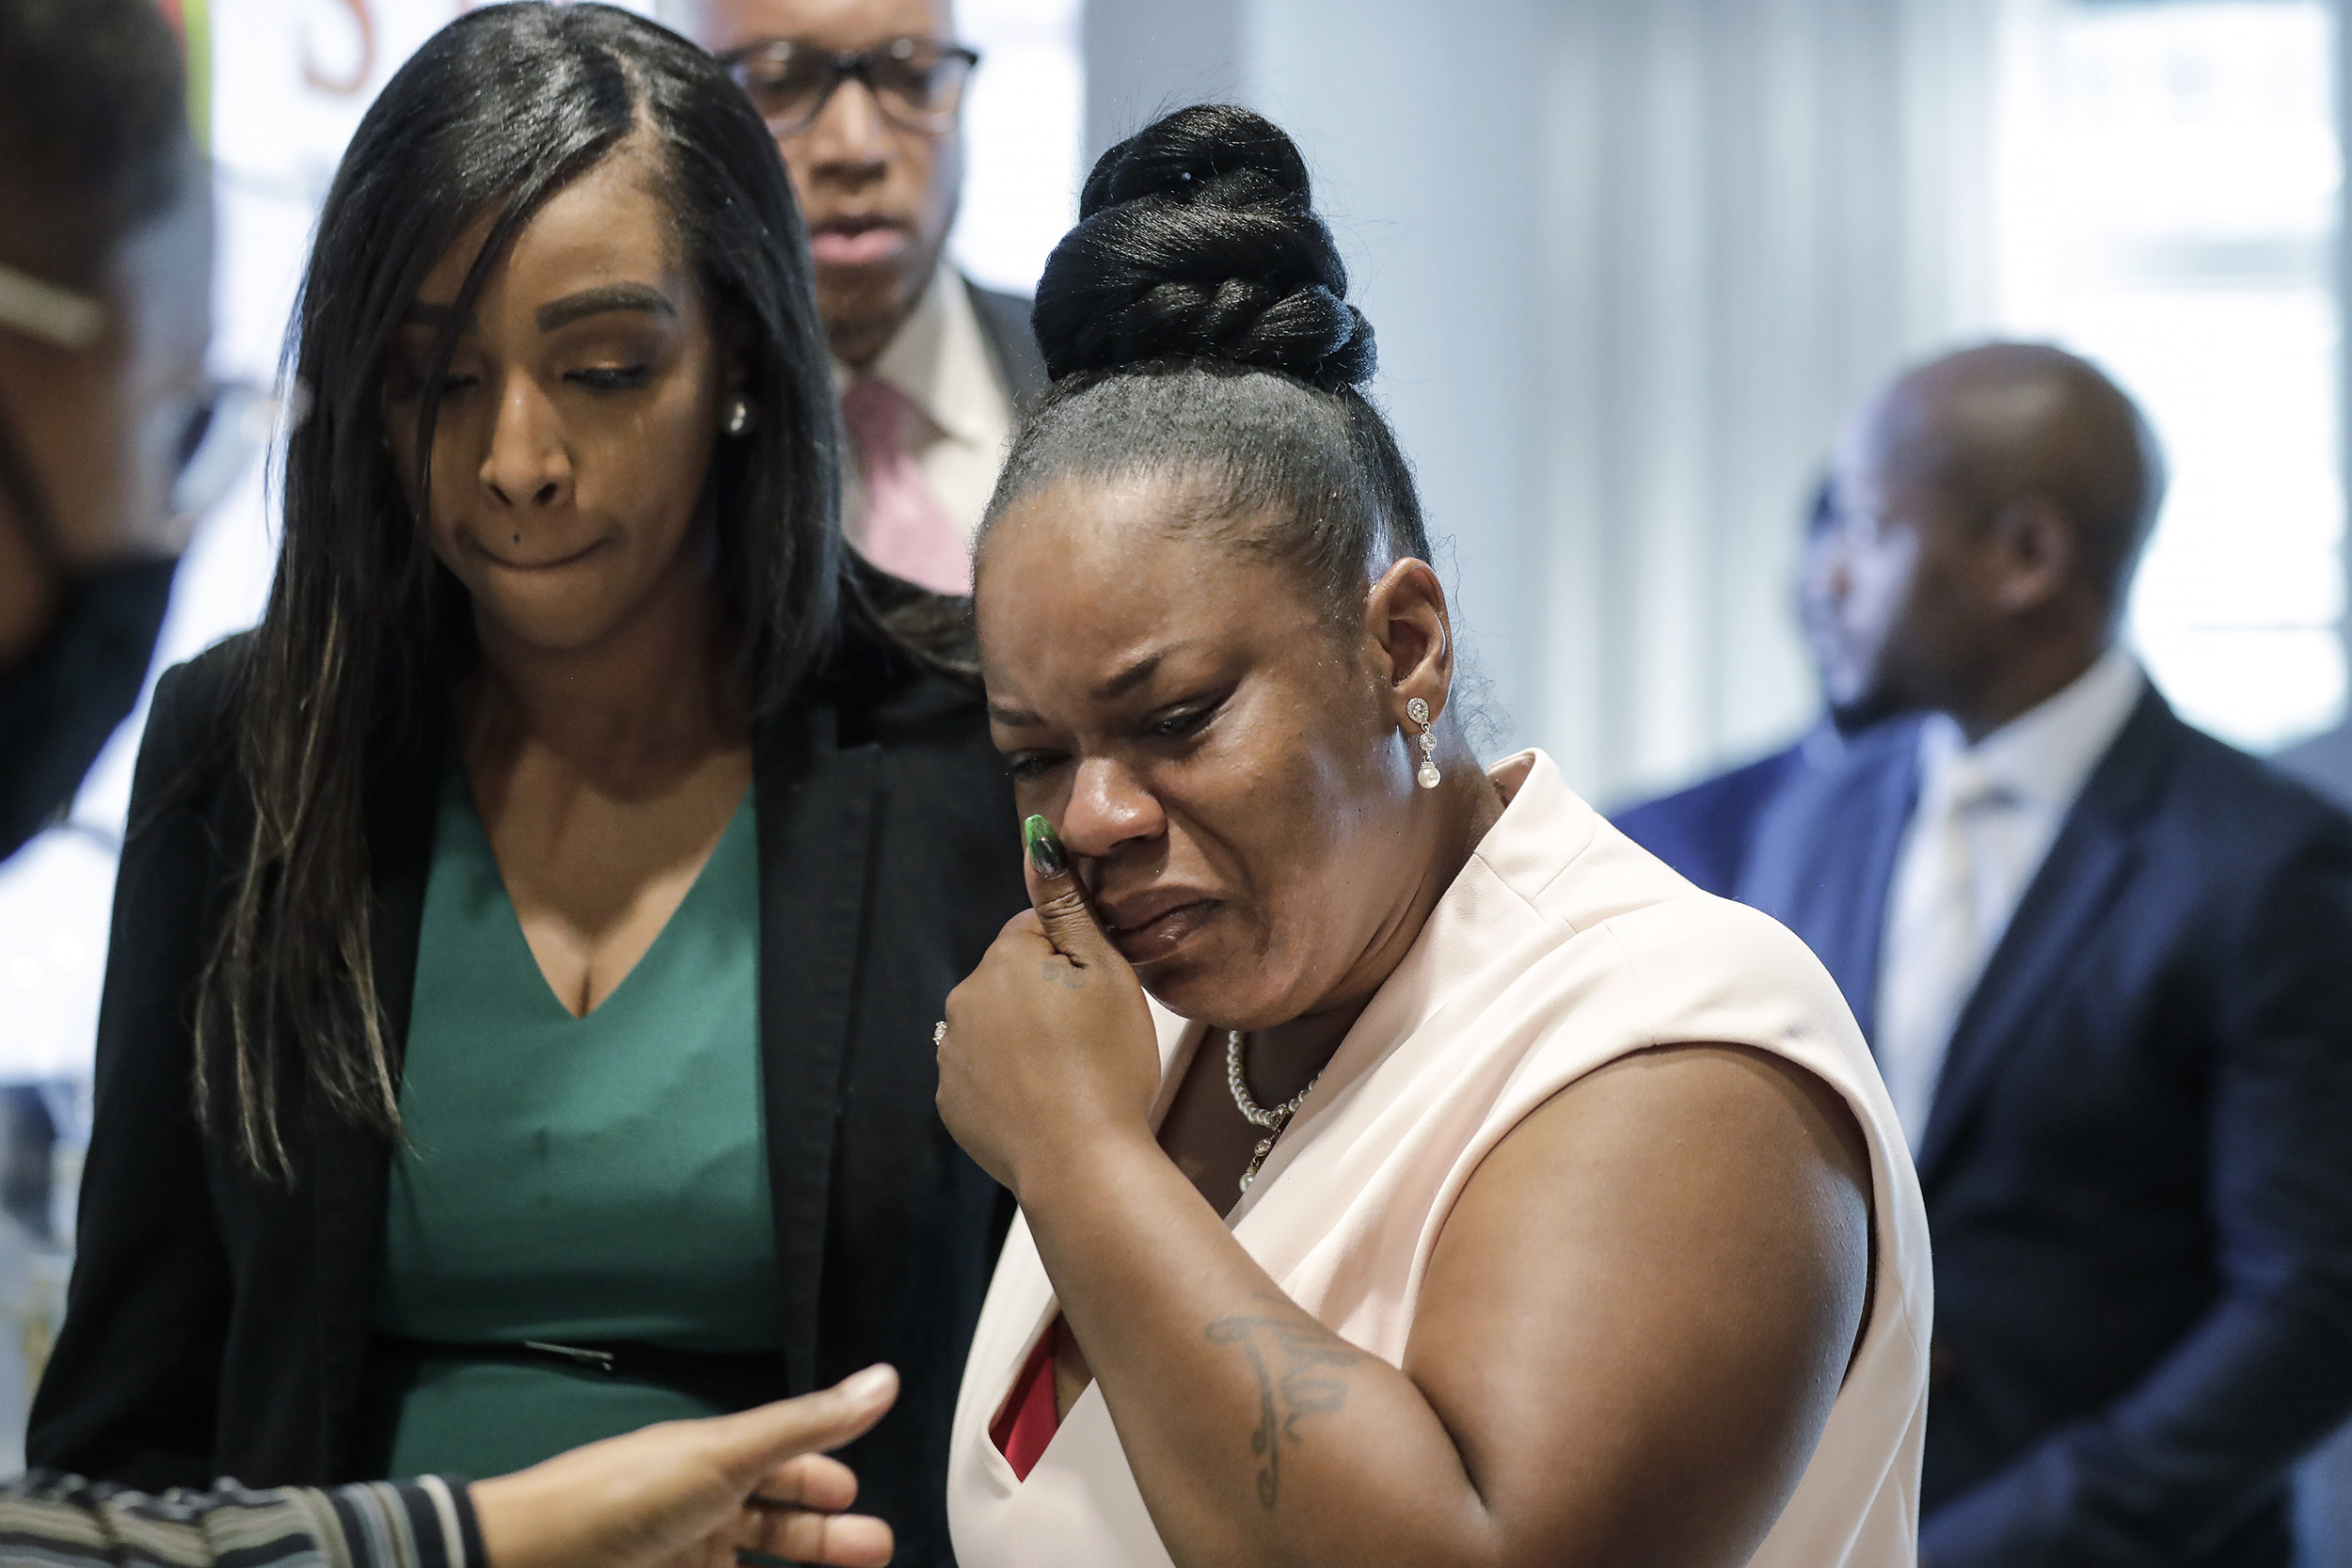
column 1005, row 322
column 219, row 1324
column 2138, row 1161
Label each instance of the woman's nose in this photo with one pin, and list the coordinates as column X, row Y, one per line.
column 1109, row 806
column 527, row 464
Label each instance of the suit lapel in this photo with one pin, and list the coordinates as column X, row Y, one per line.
column 350, row 1170
column 1005, row 322
column 1826, row 854
column 817, row 806
column 2096, row 847
column 1877, row 838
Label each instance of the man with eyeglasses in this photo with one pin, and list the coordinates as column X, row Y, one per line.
column 864, row 99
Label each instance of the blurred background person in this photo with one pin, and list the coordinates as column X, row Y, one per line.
column 105, row 278
column 112, row 438
column 864, row 99
column 2101, row 957
column 1706, row 831
column 543, row 912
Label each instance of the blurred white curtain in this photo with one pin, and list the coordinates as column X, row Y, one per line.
column 1755, row 209
column 1629, row 264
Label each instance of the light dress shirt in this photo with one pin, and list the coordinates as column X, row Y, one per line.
column 941, row 360
column 1986, row 817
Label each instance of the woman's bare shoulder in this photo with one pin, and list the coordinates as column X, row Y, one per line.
column 1655, row 1282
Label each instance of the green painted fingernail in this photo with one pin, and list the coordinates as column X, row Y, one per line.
column 1044, row 846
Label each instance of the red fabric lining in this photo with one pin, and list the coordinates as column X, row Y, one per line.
column 1029, row 1420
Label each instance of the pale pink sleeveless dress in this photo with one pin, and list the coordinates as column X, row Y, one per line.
column 1561, row 946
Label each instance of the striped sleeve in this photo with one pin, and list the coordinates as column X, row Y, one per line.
column 57, row 1521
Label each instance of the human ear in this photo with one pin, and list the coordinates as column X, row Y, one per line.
column 730, row 327
column 1409, row 633
column 737, row 412
column 2036, row 550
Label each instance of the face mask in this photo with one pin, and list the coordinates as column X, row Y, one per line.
column 59, row 706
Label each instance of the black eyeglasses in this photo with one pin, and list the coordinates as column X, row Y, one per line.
column 918, row 84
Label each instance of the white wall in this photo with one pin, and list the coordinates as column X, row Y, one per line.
column 1024, row 125
column 1416, row 125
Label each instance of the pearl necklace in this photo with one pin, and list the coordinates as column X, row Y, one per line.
column 1273, row 1121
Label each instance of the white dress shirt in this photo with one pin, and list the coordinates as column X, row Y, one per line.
column 1986, row 817
column 940, row 359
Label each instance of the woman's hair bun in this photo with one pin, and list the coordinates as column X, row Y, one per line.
column 1196, row 238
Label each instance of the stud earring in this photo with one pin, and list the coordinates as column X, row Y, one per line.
column 738, row 416
column 1418, row 711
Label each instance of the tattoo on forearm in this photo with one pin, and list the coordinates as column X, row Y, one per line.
column 1301, row 1371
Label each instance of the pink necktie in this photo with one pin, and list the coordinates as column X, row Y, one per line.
column 906, row 532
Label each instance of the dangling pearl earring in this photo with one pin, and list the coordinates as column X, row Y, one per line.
column 1418, row 711
column 738, row 417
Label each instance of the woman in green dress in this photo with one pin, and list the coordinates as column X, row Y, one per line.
column 518, row 1023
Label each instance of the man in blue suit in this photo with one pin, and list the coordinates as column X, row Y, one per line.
column 2106, row 964
column 1705, row 831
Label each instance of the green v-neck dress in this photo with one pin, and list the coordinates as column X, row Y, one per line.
column 579, row 1181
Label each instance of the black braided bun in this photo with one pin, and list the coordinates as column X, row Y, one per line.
column 1196, row 239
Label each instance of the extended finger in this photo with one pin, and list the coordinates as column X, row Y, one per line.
column 810, row 1480
column 845, row 1540
column 756, row 1442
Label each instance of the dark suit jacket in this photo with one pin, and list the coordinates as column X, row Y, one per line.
column 219, row 1324
column 2139, row 1163
column 1705, row 831
column 1005, row 322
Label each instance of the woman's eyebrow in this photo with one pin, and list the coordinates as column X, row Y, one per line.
column 596, row 301
column 1112, row 690
column 435, row 316
column 1128, row 679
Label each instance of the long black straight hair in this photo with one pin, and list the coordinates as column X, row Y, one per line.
column 349, row 669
